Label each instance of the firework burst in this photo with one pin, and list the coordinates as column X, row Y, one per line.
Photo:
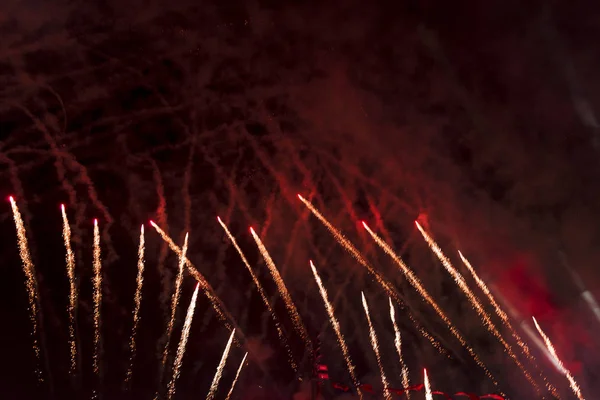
column 137, row 304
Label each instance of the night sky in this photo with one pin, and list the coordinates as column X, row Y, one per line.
column 479, row 119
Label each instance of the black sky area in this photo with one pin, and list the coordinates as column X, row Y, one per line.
column 478, row 119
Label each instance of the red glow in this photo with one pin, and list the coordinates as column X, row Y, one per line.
column 251, row 230
column 151, row 222
column 364, row 224
column 11, row 199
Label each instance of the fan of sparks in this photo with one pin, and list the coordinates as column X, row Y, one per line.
column 524, row 361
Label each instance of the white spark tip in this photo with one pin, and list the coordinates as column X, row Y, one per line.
column 252, row 230
column 62, row 207
column 364, row 224
column 95, row 221
column 219, row 219
column 11, row 199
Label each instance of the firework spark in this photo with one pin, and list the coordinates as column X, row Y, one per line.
column 137, row 304
column 416, row 283
column 485, row 318
column 219, row 372
column 574, row 386
column 70, row 261
column 97, row 297
column 504, row 317
column 263, row 295
column 283, row 291
column 428, row 394
column 175, row 301
column 237, row 375
column 398, row 343
column 336, row 327
column 375, row 345
column 182, row 343
column 30, row 282
column 353, row 251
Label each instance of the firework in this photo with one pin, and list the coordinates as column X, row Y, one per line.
column 137, row 304
column 485, row 318
column 237, row 375
column 416, row 283
column 561, row 366
column 182, row 343
column 175, row 301
column 30, row 282
column 398, row 343
column 219, row 372
column 375, row 346
column 504, row 317
column 428, row 394
column 97, row 297
column 349, row 247
column 70, row 261
column 283, row 291
column 263, row 295
column 336, row 327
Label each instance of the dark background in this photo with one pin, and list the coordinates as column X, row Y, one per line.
column 477, row 118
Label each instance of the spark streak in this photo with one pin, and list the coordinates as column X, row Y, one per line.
column 485, row 318
column 182, row 343
column 175, row 301
column 375, row 345
column 70, row 261
column 398, row 343
column 263, row 296
column 283, row 291
column 428, row 394
column 336, row 327
column 30, row 282
column 349, row 247
column 574, row 386
column 137, row 305
column 416, row 283
column 504, row 317
column 97, row 297
column 219, row 372
column 237, row 375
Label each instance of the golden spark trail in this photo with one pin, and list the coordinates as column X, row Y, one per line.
column 336, row 327
column 237, row 375
column 485, row 318
column 375, row 346
column 182, row 343
column 574, row 386
column 398, row 343
column 175, row 301
column 219, row 372
column 504, row 317
column 346, row 244
column 428, row 394
column 263, row 296
column 97, row 297
column 70, row 261
column 138, row 302
column 283, row 291
column 30, row 282
column 416, row 283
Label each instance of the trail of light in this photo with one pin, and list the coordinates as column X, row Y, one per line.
column 182, row 343
column 336, row 327
column 237, row 375
column 175, row 301
column 574, row 386
column 97, row 297
column 206, row 288
column 428, row 394
column 283, row 291
column 219, row 372
column 398, row 343
column 485, row 318
column 137, row 304
column 504, row 317
column 30, row 282
column 416, row 283
column 375, row 345
column 263, row 296
column 70, row 261
column 349, row 247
